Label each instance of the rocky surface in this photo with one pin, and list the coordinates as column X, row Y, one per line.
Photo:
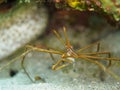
column 23, row 25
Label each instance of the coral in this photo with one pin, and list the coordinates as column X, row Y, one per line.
column 110, row 7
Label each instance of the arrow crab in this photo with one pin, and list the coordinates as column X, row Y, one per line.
column 69, row 55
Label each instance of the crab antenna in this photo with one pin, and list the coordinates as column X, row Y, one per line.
column 59, row 37
column 66, row 37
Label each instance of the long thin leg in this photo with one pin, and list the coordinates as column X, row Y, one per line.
column 89, row 46
column 109, row 55
column 66, row 38
column 39, row 46
column 22, row 64
column 35, row 49
column 101, row 73
column 98, row 47
column 44, row 50
column 110, row 62
column 36, row 78
column 52, row 57
column 103, row 67
column 57, row 65
column 31, row 48
column 15, row 59
column 59, row 37
column 101, row 58
column 100, row 53
column 95, row 53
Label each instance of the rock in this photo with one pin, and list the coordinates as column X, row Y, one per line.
column 20, row 27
